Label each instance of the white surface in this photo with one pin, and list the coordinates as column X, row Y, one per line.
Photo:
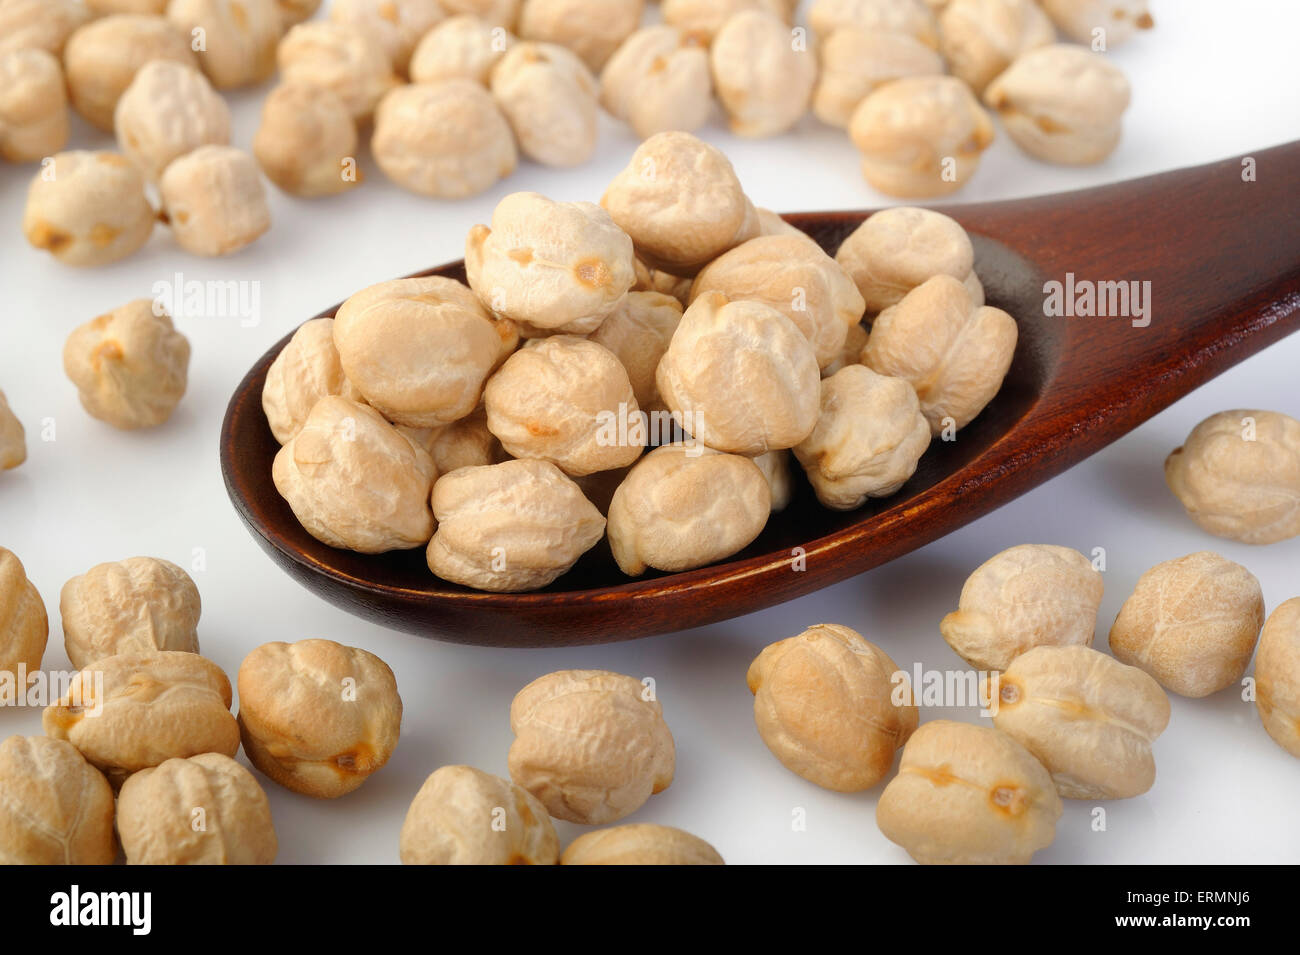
column 1209, row 82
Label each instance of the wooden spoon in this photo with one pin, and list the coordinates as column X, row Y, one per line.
column 1220, row 249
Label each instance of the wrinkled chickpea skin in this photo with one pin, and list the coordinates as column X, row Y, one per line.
column 24, row 625
column 460, row 47
column 704, row 18
column 658, row 80
column 13, row 438
column 307, row 141
column 981, row 38
column 638, row 333
column 1277, row 676
column 550, row 99
column 306, row 370
column 593, row 33
column 168, row 110
column 855, row 61
column 55, row 808
column 39, row 24
column 397, row 25
column 908, row 17
column 239, row 37
column 763, row 76
column 88, row 208
column 33, row 106
column 349, row 63
column 640, row 844
column 214, row 200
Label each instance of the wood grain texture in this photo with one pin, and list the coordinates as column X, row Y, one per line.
column 1223, row 259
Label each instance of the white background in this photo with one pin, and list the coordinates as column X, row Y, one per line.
column 1212, row 80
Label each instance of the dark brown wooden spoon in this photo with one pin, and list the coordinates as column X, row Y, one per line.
column 1222, row 255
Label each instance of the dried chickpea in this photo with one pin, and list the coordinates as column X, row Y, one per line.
column 658, row 80
column 897, row 249
column 154, row 706
column 101, row 8
column 349, row 63
column 740, row 376
column 502, row 13
column 765, row 81
column 168, row 110
column 1081, row 19
column 638, row 333
column 908, row 17
column 293, row 12
column 398, row 25
column 33, row 106
column 418, row 349
column 775, row 466
column 665, row 283
column 103, row 56
column 592, row 31
column 680, row 201
column 1027, row 596
column 1238, row 475
column 1003, row 810
column 55, row 808
column 88, row 208
column 550, row 98
column 239, row 37
column 981, row 38
column 446, row 139
column 920, row 135
column 1088, row 718
column 640, row 843
column 1061, row 103
column 130, row 365
column 307, row 141
column 460, row 47
column 868, row 439
column 24, row 626
column 590, row 744
column 204, row 810
column 855, row 61
column 39, row 24
column 316, row 472
column 13, row 439
column 466, row 443
column 824, row 705
column 684, row 507
column 1277, row 676
column 317, row 717
column 306, row 370
column 214, row 200
column 771, row 223
column 510, row 527
column 464, row 816
column 552, row 267
column 854, row 342
column 1191, row 623
column 704, row 18
column 953, row 353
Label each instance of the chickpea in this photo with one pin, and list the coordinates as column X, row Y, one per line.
column 55, row 808
column 317, row 717
column 590, row 744
column 447, row 139
column 88, row 208
column 981, row 38
column 1088, row 718
column 349, row 63
column 640, row 844
column 908, row 17
column 953, row 353
column 33, row 106
column 665, row 283
column 856, row 61
column 306, row 370
column 765, row 81
column 704, row 18
column 1277, row 676
column 129, row 365
column 1002, row 810
column 550, row 98
column 1191, row 623
column 239, row 37
column 502, row 13
column 39, row 24
column 638, row 333
column 307, row 141
column 851, row 353
column 775, row 466
column 824, row 704
column 771, row 223
column 464, row 816
column 398, row 25
column 24, row 626
column 1238, row 475
column 466, row 443
column 13, row 439
column 658, row 80
column 106, row 7
column 168, row 110
column 102, row 57
column 1081, row 20
column 1026, row 596
column 592, row 31
column 684, row 507
column 460, row 47
column 293, row 12
column 510, row 527
column 214, row 200
column 315, row 472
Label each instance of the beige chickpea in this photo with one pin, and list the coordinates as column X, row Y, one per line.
column 1191, row 623
column 763, row 78
column 1027, row 596
column 897, row 249
column 349, row 63
column 704, row 18
column 464, row 816
column 793, row 275
column 655, row 280
column 168, row 110
column 1061, row 103
column 658, row 80
column 130, row 365
column 502, row 13
column 775, row 466
column 239, row 38
column 593, row 32
column 638, row 333
column 138, row 605
column 103, row 56
column 1089, row 719
column 550, row 98
column 55, row 808
column 293, row 12
column 981, row 38
column 683, row 507
column 591, row 745
column 908, row 17
column 306, row 370
column 398, row 25
column 851, row 353
column 317, row 717
column 214, row 200
column 1277, row 676
column 552, row 267
column 24, row 625
column 88, row 208
column 158, row 810
column 307, row 141
column 1081, row 20
column 771, row 223
column 640, row 843
column 855, row 61
column 510, row 527
column 680, row 201
column 740, row 376
column 315, row 472
column 39, row 24
column 33, row 105
column 952, row 352
column 466, row 443
column 446, row 139
column 136, row 710
column 968, row 795
column 106, row 7
column 460, row 47
column 827, row 704
column 920, row 136
column 13, row 438
column 868, row 439
column 1238, row 475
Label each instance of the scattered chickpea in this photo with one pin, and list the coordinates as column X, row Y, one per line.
column 460, row 47
column 503, row 13
column 591, row 30
column 856, row 61
column 33, row 106
column 239, row 37
column 349, row 63
column 704, row 18
column 765, row 81
column 1277, row 676
column 214, row 200
column 102, row 57
column 13, row 438
column 908, row 17
column 88, row 208
column 1081, row 20
column 307, row 141
column 39, row 24
column 550, row 98
column 638, row 333
column 640, row 844
column 168, row 110
column 55, row 808
column 398, row 25
column 306, row 370
column 24, row 626
column 981, row 38
column 102, row 8
column 658, row 80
